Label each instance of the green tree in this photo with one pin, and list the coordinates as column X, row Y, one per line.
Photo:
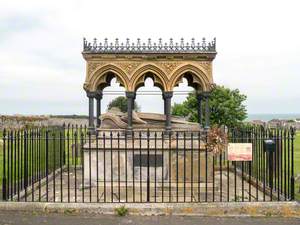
column 226, row 107
column 121, row 103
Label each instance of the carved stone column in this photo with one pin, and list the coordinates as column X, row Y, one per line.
column 91, row 96
column 99, row 96
column 207, row 109
column 164, row 104
column 130, row 105
column 199, row 108
column 167, row 95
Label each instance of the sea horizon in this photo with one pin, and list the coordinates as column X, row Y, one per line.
column 269, row 116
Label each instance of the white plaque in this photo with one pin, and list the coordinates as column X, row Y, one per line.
column 239, row 151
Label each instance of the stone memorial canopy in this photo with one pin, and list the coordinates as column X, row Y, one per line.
column 131, row 63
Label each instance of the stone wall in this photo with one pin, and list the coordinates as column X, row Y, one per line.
column 18, row 121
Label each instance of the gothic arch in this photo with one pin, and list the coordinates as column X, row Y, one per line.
column 196, row 77
column 160, row 79
column 102, row 76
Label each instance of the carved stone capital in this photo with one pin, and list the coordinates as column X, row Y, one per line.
column 206, row 94
column 130, row 94
column 98, row 94
column 167, row 94
column 90, row 94
column 199, row 96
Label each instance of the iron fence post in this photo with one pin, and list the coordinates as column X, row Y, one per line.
column 148, row 167
column 4, row 167
column 292, row 164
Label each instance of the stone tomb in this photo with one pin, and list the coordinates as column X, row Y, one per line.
column 120, row 163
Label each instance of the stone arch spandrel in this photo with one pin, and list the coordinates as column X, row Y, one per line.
column 160, row 78
column 199, row 75
column 99, row 76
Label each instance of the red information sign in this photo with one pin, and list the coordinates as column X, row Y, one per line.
column 239, row 152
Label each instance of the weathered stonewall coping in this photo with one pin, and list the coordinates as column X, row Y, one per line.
column 236, row 209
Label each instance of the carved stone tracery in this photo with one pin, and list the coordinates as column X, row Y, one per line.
column 168, row 67
column 92, row 66
column 128, row 67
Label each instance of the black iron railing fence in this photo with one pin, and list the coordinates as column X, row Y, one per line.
column 69, row 164
column 270, row 172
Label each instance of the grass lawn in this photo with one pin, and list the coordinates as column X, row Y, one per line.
column 53, row 143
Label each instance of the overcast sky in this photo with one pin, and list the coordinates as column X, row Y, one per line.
column 42, row 70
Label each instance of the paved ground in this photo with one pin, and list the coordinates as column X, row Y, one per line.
column 169, row 193
column 12, row 218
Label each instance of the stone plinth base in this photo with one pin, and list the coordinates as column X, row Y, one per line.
column 167, row 164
